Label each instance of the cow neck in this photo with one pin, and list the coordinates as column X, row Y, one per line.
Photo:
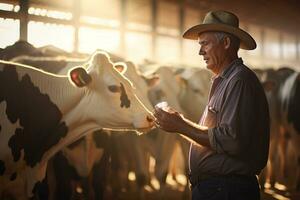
column 74, row 133
column 60, row 90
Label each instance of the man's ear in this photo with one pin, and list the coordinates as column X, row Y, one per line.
column 226, row 42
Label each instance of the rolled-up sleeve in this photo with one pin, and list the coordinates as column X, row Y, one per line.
column 232, row 135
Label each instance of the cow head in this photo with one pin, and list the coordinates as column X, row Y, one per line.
column 193, row 95
column 111, row 98
column 165, row 88
column 130, row 71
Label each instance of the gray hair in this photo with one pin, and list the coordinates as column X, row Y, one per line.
column 235, row 41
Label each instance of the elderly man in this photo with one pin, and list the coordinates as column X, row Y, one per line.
column 229, row 146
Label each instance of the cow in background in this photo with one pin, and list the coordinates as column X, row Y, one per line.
column 166, row 88
column 79, row 171
column 19, row 48
column 69, row 114
column 56, row 65
column 289, row 97
column 193, row 97
column 158, row 145
column 24, row 48
column 130, row 153
column 281, row 92
column 271, row 84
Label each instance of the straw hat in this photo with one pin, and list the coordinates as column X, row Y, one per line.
column 225, row 22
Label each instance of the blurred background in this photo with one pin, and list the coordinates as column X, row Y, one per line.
column 150, row 29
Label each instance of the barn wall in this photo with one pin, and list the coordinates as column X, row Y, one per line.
column 134, row 29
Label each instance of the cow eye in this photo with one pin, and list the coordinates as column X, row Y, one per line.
column 196, row 90
column 114, row 88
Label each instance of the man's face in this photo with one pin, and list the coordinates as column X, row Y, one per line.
column 212, row 50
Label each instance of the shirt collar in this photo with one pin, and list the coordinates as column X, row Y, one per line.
column 227, row 71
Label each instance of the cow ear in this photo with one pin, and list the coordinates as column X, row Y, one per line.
column 79, row 77
column 152, row 80
column 120, row 67
column 181, row 80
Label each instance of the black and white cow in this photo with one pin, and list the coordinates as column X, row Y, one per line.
column 167, row 88
column 19, row 48
column 80, row 170
column 41, row 113
column 91, row 159
column 289, row 97
column 56, row 65
column 281, row 90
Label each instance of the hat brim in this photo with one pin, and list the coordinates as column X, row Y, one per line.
column 247, row 42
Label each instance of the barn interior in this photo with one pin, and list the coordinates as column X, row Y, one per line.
column 151, row 30
column 148, row 32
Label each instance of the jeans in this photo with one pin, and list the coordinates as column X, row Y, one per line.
column 227, row 188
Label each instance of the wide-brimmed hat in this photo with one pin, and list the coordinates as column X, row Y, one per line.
column 225, row 22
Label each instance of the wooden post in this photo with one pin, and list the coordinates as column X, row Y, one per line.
column 76, row 23
column 181, row 28
column 154, row 27
column 281, row 46
column 123, row 22
column 24, row 5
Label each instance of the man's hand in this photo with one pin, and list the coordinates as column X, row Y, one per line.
column 169, row 119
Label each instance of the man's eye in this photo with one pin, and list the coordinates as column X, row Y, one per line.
column 114, row 88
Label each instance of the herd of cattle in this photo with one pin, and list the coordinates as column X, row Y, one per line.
column 70, row 124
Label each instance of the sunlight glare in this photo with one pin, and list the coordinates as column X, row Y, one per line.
column 131, row 176
column 50, row 13
column 276, row 196
column 171, row 181
column 16, row 8
column 181, row 178
column 155, row 183
column 100, row 21
column 138, row 46
column 6, row 7
column 280, row 186
column 91, row 39
column 168, row 49
column 41, row 34
column 9, row 31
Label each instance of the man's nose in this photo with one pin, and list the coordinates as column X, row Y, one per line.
column 201, row 52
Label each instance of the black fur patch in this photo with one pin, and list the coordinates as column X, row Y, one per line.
column 39, row 118
column 41, row 190
column 124, row 98
column 19, row 48
column 294, row 106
